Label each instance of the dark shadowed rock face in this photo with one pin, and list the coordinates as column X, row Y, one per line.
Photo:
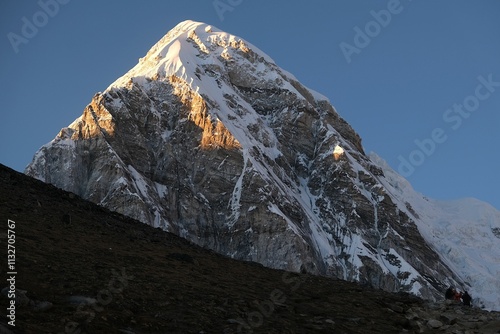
column 207, row 138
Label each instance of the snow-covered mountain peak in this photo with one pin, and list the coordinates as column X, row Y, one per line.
column 186, row 48
column 208, row 138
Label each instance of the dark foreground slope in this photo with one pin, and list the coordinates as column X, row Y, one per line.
column 81, row 268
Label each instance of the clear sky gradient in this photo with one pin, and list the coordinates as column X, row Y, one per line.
column 418, row 80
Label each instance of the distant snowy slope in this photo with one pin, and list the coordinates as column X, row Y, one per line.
column 465, row 232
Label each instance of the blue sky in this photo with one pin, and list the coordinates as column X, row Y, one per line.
column 418, row 80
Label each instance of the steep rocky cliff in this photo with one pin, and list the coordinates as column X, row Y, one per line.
column 208, row 138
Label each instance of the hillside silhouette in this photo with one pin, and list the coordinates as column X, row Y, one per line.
column 84, row 269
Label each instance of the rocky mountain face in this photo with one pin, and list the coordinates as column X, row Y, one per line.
column 208, row 138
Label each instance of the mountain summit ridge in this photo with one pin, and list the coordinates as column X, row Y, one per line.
column 208, row 138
